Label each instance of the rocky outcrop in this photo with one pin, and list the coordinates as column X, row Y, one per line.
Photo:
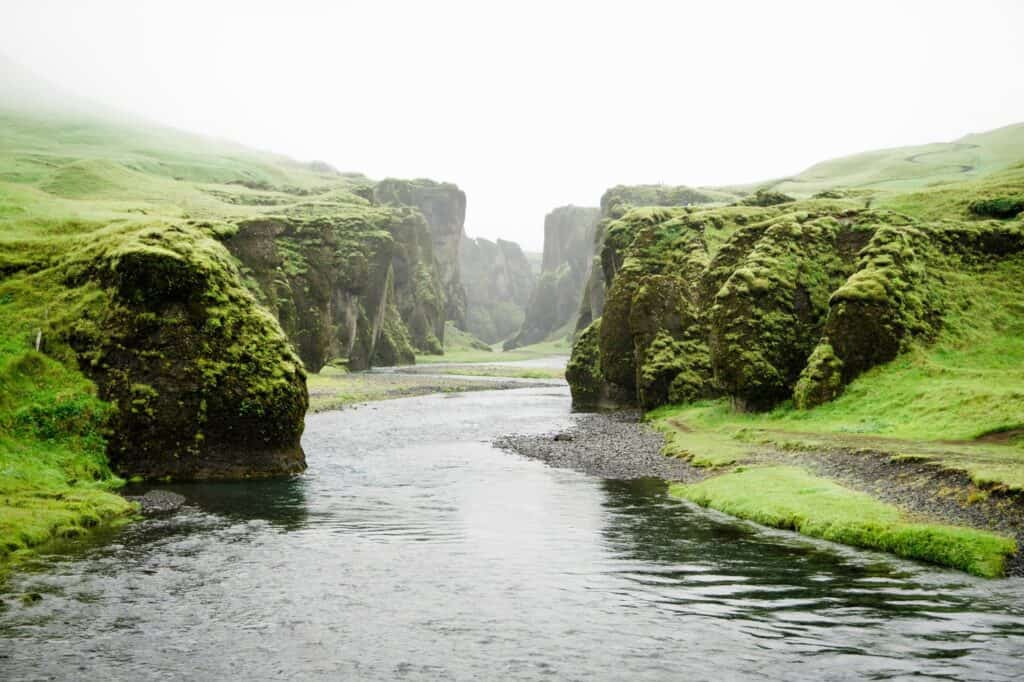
column 201, row 380
column 359, row 286
column 498, row 281
column 605, row 259
column 568, row 239
column 764, row 301
column 444, row 207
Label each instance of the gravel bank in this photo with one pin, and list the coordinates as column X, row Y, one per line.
column 616, row 445
column 609, row 445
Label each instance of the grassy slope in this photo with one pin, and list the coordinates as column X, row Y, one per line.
column 475, row 355
column 908, row 168
column 67, row 182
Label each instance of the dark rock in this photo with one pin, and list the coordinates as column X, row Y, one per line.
column 158, row 502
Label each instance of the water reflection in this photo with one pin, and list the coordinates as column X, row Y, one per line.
column 279, row 501
column 412, row 549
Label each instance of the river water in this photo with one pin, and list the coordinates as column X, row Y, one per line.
column 412, row 549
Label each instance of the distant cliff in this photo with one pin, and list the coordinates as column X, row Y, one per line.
column 359, row 285
column 568, row 242
column 499, row 281
column 444, row 207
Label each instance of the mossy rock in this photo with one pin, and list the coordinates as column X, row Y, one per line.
column 583, row 372
column 821, row 380
column 1002, row 208
column 202, row 379
column 883, row 304
column 768, row 316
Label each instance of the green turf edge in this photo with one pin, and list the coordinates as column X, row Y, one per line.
column 790, row 498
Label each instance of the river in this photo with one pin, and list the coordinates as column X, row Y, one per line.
column 413, row 549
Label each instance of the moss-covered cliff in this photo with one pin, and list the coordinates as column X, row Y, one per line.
column 498, row 281
column 606, row 258
column 444, row 207
column 769, row 300
column 359, row 284
column 568, row 240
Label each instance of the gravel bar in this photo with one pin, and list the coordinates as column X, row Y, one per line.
column 610, row 445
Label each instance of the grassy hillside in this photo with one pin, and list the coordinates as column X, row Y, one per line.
column 81, row 196
column 907, row 168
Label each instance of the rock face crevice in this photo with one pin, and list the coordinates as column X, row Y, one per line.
column 499, row 282
column 568, row 241
column 360, row 286
column 443, row 205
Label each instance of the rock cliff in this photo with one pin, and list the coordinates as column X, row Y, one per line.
column 615, row 202
column 200, row 380
column 765, row 301
column 568, row 241
column 499, row 281
column 444, row 207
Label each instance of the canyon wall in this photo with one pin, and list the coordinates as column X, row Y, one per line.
column 568, row 241
column 499, row 281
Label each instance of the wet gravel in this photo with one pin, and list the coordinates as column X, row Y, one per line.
column 610, row 445
column 618, row 446
column 926, row 490
column 158, row 502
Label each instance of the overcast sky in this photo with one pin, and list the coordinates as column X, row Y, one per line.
column 528, row 106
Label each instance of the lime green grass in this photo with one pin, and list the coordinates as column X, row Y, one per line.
column 903, row 169
column 333, row 390
column 701, row 448
column 792, row 499
column 537, row 350
column 497, row 371
column 54, row 478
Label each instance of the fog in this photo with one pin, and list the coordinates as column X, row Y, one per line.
column 527, row 105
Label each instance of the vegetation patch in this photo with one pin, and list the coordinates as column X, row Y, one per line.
column 792, row 499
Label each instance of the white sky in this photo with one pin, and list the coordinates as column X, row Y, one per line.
column 527, row 105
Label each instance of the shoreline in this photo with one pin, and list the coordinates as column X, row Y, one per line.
column 914, row 493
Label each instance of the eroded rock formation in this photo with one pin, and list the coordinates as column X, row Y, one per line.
column 498, row 281
column 568, row 240
column 444, row 207
column 764, row 301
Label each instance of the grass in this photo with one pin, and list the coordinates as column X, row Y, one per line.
column 966, row 384
column 904, row 169
column 792, row 499
column 537, row 350
column 333, row 390
column 498, row 371
column 701, row 448
column 54, row 478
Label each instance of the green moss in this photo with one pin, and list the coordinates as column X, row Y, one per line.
column 792, row 499
column 583, row 372
column 769, row 313
column 1001, row 207
column 821, row 380
column 706, row 449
